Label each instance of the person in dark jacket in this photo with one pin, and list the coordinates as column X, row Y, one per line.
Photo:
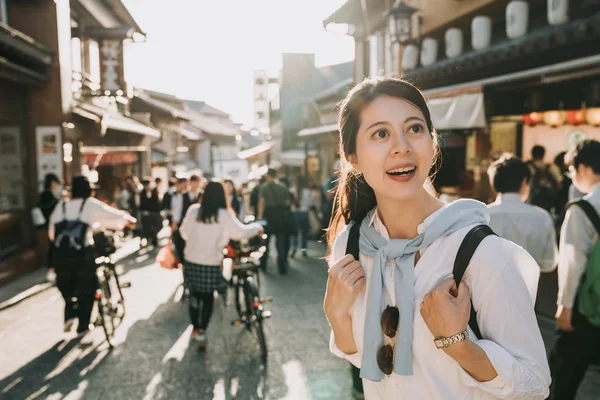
column 48, row 200
column 150, row 212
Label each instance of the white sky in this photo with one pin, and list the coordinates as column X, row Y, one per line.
column 208, row 49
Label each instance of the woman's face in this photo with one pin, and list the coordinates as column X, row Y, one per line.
column 394, row 148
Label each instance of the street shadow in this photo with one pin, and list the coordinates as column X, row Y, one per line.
column 156, row 359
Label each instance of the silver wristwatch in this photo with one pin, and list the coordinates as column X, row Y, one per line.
column 443, row 342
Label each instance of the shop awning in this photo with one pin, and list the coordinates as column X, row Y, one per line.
column 119, row 122
column 464, row 111
column 110, row 119
column 119, row 158
column 256, row 151
column 190, row 133
column 318, row 130
column 294, row 157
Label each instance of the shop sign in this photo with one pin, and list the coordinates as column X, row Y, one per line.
column 111, row 64
column 48, row 141
column 108, row 159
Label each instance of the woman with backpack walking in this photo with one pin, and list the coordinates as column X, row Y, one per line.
column 206, row 229
column 71, row 229
column 396, row 312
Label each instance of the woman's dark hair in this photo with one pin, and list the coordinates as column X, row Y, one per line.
column 354, row 198
column 234, row 189
column 559, row 161
column 49, row 179
column 586, row 153
column 212, row 201
column 80, row 188
column 508, row 173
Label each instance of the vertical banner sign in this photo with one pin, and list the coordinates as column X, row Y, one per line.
column 12, row 184
column 49, row 152
column 111, row 65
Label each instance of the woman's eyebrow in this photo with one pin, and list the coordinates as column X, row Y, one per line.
column 375, row 124
column 414, row 118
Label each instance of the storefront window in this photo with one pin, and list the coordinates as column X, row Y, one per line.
column 3, row 12
column 12, row 169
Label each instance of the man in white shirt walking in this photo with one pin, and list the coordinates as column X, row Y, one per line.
column 529, row 226
column 578, row 343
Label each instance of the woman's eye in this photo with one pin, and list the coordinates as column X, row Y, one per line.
column 381, row 134
column 416, row 129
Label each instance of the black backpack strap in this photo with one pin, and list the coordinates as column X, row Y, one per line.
column 81, row 208
column 64, row 209
column 353, row 238
column 463, row 258
column 589, row 211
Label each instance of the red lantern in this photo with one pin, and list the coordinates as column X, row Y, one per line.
column 532, row 119
column 575, row 117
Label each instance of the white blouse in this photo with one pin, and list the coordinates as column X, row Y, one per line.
column 204, row 243
column 505, row 315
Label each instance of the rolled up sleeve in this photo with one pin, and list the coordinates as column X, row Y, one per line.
column 512, row 339
column 353, row 358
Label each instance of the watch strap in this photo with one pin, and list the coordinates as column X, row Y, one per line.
column 442, row 342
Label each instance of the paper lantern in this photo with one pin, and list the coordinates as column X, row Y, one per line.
column 410, row 57
column 532, row 119
column 554, row 118
column 558, row 12
column 575, row 117
column 517, row 19
column 592, row 116
column 481, row 32
column 454, row 42
column 429, row 52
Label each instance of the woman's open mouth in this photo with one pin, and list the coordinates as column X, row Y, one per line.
column 402, row 174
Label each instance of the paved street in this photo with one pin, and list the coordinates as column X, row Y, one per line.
column 154, row 358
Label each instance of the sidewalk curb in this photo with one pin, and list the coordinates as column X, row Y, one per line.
column 42, row 287
column 32, row 291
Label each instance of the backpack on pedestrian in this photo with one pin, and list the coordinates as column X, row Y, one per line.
column 69, row 238
column 543, row 187
column 588, row 294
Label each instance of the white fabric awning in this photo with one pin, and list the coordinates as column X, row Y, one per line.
column 464, row 111
column 294, row 157
column 256, row 150
column 319, row 130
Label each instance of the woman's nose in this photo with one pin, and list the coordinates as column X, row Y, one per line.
column 400, row 144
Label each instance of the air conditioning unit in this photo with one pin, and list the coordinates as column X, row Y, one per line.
column 454, row 42
column 481, row 32
column 517, row 19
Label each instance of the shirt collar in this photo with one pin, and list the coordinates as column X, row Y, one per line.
column 509, row 198
column 595, row 187
column 378, row 225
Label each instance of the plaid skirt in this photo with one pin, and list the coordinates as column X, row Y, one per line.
column 203, row 278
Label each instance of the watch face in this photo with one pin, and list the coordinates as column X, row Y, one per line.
column 438, row 343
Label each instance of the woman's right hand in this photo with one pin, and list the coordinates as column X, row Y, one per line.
column 346, row 279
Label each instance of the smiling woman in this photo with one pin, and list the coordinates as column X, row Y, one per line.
column 396, row 313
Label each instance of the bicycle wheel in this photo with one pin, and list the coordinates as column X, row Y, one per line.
column 256, row 307
column 104, row 308
column 117, row 298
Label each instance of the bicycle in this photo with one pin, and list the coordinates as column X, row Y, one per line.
column 110, row 303
column 246, row 283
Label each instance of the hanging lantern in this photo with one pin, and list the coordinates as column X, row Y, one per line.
column 575, row 117
column 554, row 118
column 532, row 119
column 410, row 57
column 558, row 12
column 454, row 42
column 517, row 19
column 592, row 116
column 429, row 52
column 481, row 32
column 400, row 22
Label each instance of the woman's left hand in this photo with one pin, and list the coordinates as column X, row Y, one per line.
column 446, row 309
